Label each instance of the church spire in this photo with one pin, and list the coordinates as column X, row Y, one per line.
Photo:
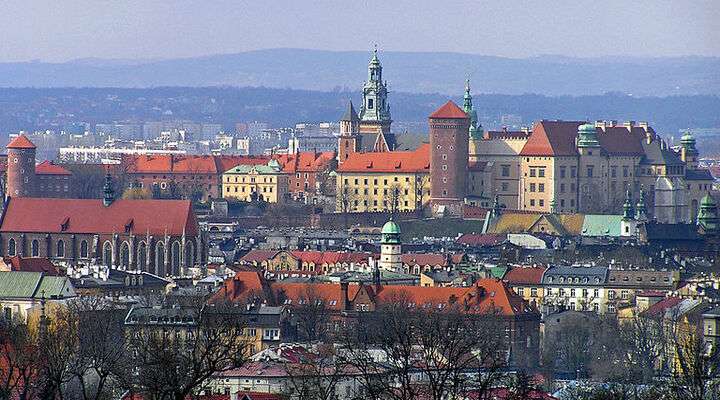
column 375, row 107
column 640, row 210
column 474, row 130
column 628, row 212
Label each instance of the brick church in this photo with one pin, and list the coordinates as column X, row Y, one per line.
column 157, row 236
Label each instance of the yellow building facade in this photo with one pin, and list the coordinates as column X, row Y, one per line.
column 262, row 182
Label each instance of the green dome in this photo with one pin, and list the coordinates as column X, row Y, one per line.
column 390, row 228
column 587, row 136
column 687, row 139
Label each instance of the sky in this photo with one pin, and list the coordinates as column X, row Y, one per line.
column 58, row 31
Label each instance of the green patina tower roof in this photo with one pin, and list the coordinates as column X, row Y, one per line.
column 708, row 215
column 628, row 212
column 587, row 136
column 391, row 233
column 474, row 131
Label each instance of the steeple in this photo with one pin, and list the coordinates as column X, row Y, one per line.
column 475, row 129
column 390, row 247
column 375, row 107
column 628, row 212
column 640, row 210
column 108, row 194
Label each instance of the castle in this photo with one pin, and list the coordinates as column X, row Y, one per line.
column 554, row 167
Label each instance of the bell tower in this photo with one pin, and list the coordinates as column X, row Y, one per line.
column 375, row 110
column 390, row 247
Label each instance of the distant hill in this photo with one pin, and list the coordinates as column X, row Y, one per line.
column 405, row 72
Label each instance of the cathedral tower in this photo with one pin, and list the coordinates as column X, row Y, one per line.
column 348, row 142
column 449, row 129
column 375, row 110
column 21, row 167
column 476, row 130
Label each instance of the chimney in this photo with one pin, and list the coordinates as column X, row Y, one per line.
column 613, row 123
column 644, row 125
column 629, row 125
column 601, row 124
column 344, row 294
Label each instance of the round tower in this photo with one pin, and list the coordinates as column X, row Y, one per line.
column 390, row 247
column 449, row 129
column 21, row 167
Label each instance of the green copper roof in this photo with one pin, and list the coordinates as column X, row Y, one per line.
column 272, row 167
column 602, row 225
column 687, row 139
column 587, row 136
column 391, row 228
column 21, row 284
column 707, row 201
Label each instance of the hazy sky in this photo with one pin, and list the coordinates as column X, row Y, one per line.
column 69, row 29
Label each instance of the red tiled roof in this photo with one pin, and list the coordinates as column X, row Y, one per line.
column 557, row 138
column 619, row 141
column 138, row 396
column 524, row 275
column 658, row 309
column 487, row 295
column 188, row 164
column 243, row 285
column 474, row 212
column 257, row 255
column 330, row 293
column 31, row 264
column 306, row 161
column 315, row 257
column 21, row 142
column 50, row 168
column 257, row 396
column 449, row 110
column 392, row 161
column 552, row 138
column 90, row 216
column 474, row 239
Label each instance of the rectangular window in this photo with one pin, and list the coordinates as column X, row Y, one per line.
column 573, row 172
column 589, row 171
column 541, row 187
column 505, row 170
column 562, row 188
column 541, row 203
column 562, row 172
column 533, row 292
column 532, row 187
column 541, row 172
column 532, row 203
column 613, row 171
column 504, row 186
column 626, row 171
column 533, row 172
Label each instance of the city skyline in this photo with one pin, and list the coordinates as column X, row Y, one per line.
column 158, row 30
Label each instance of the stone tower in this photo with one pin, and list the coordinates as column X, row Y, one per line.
column 375, row 110
column 349, row 139
column 21, row 179
column 390, row 247
column 449, row 129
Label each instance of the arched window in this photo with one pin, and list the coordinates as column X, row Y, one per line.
column 12, row 251
column 35, row 248
column 84, row 249
column 125, row 255
column 160, row 259
column 107, row 254
column 189, row 258
column 142, row 257
column 175, row 258
column 60, row 251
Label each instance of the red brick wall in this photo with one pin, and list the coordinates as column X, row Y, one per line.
column 448, row 159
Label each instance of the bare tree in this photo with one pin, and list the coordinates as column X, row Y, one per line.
column 696, row 365
column 312, row 315
column 172, row 364
column 454, row 349
column 318, row 376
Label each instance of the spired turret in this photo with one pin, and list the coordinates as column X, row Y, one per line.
column 708, row 220
column 640, row 208
column 475, row 132
column 390, row 247
column 628, row 224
